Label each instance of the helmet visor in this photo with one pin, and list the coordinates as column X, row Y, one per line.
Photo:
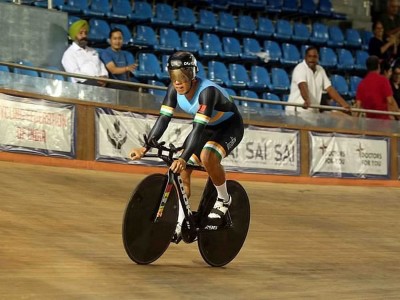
column 181, row 75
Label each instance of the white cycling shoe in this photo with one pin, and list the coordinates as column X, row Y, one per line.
column 177, row 237
column 220, row 208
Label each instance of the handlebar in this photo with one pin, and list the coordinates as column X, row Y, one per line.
column 171, row 150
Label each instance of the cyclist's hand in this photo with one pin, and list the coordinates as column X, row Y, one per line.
column 178, row 165
column 137, row 153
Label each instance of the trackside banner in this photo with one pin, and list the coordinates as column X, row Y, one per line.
column 339, row 155
column 37, row 126
column 261, row 150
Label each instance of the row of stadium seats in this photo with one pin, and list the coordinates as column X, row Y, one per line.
column 144, row 35
column 165, row 14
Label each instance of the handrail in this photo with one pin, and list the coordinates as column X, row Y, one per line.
column 144, row 85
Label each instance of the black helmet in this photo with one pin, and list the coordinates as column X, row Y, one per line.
column 182, row 66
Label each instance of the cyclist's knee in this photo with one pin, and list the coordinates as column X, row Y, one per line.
column 209, row 158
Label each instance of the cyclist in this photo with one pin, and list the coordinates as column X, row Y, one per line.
column 217, row 129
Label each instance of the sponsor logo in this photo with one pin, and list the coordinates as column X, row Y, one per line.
column 211, row 227
column 230, row 144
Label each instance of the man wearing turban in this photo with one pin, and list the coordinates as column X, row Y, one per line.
column 81, row 59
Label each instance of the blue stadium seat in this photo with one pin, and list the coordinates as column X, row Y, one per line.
column 120, row 10
column 231, row 48
column 324, row 8
column 345, row 60
column 52, row 76
column 265, row 28
column 301, row 32
column 319, row 34
column 142, row 12
column 283, row 30
column 212, row 46
column 72, row 19
column 327, row 58
column 250, row 94
column 126, row 33
column 274, row 6
column 226, row 23
column 207, row 21
column 280, row 80
column 251, row 47
column 145, row 36
column 256, row 4
column 354, row 81
column 336, row 37
column 236, row 4
column 290, row 6
column 290, row 55
column 274, row 97
column 164, row 15
column 273, row 50
column 220, row 4
column 246, row 25
column 97, row 8
column 191, row 41
column 340, row 84
column 259, row 78
column 159, row 94
column 366, row 35
column 4, row 68
column 231, row 92
column 238, row 75
column 99, row 30
column 353, row 38
column 24, row 71
column 186, row 17
column 164, row 75
column 44, row 4
column 307, row 7
column 202, row 71
column 74, row 6
column 303, row 49
column 218, row 73
column 361, row 59
column 169, row 41
column 148, row 66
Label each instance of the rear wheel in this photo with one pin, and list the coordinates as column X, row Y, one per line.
column 219, row 247
column 145, row 240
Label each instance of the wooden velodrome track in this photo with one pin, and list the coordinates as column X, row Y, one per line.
column 61, row 239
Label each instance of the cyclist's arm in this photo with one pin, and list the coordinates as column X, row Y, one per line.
column 166, row 112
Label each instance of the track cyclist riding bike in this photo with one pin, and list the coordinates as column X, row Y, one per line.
column 217, row 130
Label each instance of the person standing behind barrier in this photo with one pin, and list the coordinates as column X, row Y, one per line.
column 391, row 19
column 81, row 59
column 374, row 91
column 116, row 60
column 309, row 80
column 395, row 83
column 379, row 45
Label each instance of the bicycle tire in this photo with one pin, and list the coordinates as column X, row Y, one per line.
column 145, row 240
column 221, row 246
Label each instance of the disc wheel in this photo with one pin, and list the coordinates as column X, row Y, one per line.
column 219, row 247
column 145, row 240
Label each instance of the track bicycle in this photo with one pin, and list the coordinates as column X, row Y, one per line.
column 151, row 216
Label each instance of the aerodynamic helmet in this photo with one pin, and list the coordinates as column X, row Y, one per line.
column 182, row 66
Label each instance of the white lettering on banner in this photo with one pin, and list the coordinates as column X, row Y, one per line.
column 265, row 149
column 36, row 125
column 347, row 155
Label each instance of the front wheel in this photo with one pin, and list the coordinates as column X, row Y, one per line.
column 219, row 247
column 145, row 240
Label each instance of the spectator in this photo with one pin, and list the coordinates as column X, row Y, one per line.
column 386, row 69
column 374, row 91
column 391, row 19
column 309, row 80
column 81, row 59
column 384, row 48
column 395, row 83
column 117, row 61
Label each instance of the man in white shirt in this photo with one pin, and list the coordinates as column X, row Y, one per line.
column 81, row 59
column 309, row 80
